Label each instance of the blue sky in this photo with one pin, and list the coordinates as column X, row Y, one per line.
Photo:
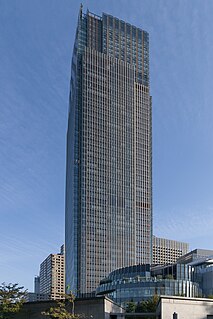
column 36, row 40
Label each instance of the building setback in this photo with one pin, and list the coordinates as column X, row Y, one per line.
column 109, row 152
column 167, row 251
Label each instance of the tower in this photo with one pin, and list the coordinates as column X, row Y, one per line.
column 108, row 221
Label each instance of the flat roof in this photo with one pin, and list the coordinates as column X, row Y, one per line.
column 186, row 298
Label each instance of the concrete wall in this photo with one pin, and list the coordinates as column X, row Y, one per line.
column 32, row 310
column 186, row 308
column 92, row 308
column 111, row 307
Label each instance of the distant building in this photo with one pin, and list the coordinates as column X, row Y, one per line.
column 167, row 251
column 52, row 275
column 50, row 284
column 32, row 297
column 37, row 285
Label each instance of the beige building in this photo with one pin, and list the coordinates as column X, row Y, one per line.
column 52, row 275
column 167, row 251
column 184, row 308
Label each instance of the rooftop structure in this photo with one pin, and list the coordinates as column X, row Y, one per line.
column 194, row 255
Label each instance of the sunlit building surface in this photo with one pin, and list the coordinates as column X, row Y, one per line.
column 167, row 251
column 52, row 276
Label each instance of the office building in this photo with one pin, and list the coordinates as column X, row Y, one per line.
column 109, row 152
column 167, row 251
column 142, row 282
column 52, row 276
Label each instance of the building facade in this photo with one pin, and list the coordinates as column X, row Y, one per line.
column 33, row 297
column 167, row 251
column 201, row 263
column 52, row 276
column 142, row 282
column 203, row 274
column 182, row 307
column 109, row 152
column 37, row 285
column 195, row 255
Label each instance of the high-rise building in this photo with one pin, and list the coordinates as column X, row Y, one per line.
column 52, row 276
column 167, row 251
column 109, row 152
column 37, row 285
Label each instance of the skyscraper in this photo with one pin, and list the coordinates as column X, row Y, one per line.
column 109, row 152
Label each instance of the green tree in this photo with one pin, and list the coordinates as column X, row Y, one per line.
column 12, row 298
column 130, row 306
column 64, row 309
column 149, row 305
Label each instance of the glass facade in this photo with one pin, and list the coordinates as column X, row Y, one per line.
column 202, row 272
column 109, row 153
column 140, row 283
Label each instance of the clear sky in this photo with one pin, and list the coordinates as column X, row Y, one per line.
column 36, row 41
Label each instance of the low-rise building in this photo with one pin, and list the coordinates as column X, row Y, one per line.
column 140, row 282
column 91, row 308
column 33, row 296
column 184, row 308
